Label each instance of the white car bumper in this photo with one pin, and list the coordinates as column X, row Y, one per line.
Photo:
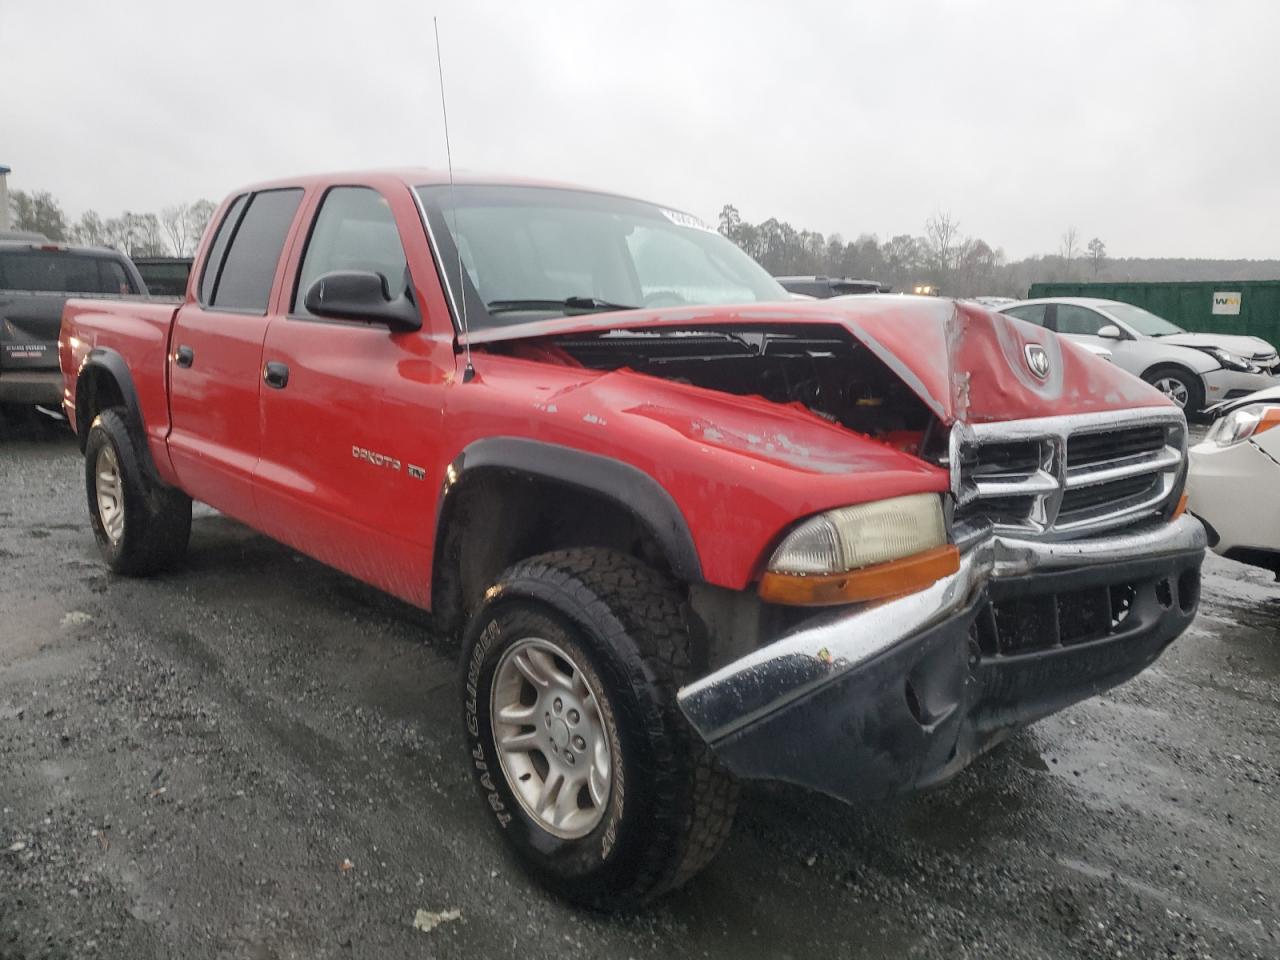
column 1227, row 384
column 1235, row 490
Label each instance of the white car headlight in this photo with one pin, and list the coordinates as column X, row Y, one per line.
column 1241, row 424
column 1230, row 360
column 852, row 537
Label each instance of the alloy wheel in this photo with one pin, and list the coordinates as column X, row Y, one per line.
column 1174, row 389
column 551, row 737
column 110, row 492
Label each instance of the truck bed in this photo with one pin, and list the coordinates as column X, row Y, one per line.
column 132, row 335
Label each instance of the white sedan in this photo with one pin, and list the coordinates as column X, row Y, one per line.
column 1234, row 485
column 1194, row 370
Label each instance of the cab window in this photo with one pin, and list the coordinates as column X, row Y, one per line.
column 1032, row 313
column 1079, row 320
column 243, row 282
column 354, row 230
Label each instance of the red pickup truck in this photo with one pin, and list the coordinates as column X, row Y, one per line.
column 689, row 532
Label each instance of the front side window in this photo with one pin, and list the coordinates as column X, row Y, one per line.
column 530, row 253
column 53, row 271
column 1079, row 320
column 1032, row 313
column 244, row 281
column 354, row 230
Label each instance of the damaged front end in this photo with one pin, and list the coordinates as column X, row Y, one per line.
column 1077, row 568
column 1071, row 566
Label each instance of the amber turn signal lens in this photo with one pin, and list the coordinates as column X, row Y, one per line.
column 1181, row 508
column 875, row 582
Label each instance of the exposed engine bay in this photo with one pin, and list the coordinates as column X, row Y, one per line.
column 821, row 367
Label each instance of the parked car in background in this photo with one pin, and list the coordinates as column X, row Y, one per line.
column 1234, row 486
column 823, row 288
column 36, row 278
column 164, row 276
column 1194, row 370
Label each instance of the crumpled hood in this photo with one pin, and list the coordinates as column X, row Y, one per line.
column 967, row 363
column 1248, row 347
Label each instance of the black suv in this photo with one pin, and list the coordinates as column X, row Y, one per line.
column 37, row 277
column 825, row 287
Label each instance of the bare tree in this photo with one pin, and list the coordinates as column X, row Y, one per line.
column 90, row 230
column 942, row 240
column 198, row 216
column 176, row 220
column 1070, row 248
column 1097, row 254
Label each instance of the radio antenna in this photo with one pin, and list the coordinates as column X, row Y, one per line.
column 469, row 373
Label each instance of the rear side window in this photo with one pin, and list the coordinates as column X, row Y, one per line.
column 1033, row 313
column 213, row 262
column 52, row 271
column 244, row 280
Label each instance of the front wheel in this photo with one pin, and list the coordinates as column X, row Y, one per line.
column 576, row 742
column 141, row 526
column 1180, row 386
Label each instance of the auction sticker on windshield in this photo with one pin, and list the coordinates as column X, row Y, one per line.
column 686, row 220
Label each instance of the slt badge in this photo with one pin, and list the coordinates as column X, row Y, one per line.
column 1037, row 360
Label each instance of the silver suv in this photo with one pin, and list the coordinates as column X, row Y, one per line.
column 1194, row 370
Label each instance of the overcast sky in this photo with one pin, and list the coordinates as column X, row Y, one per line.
column 1152, row 125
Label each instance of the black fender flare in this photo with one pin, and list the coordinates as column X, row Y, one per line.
column 627, row 486
column 105, row 362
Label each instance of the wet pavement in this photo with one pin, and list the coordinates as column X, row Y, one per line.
column 256, row 757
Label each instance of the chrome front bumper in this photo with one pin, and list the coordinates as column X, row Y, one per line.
column 864, row 701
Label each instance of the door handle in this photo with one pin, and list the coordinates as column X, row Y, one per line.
column 184, row 357
column 276, row 374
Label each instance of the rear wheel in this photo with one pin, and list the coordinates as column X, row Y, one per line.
column 141, row 526
column 1180, row 386
column 577, row 744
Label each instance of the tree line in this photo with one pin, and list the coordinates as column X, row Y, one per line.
column 174, row 232
column 943, row 258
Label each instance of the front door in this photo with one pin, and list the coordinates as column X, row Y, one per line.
column 1081, row 323
column 215, row 358
column 349, row 471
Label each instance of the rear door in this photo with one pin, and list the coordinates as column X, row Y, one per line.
column 351, row 462
column 215, row 358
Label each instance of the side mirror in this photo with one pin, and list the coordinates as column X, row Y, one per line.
column 1110, row 332
column 361, row 295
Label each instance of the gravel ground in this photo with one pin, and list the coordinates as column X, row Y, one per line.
column 256, row 757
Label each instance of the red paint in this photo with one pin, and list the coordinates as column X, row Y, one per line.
column 741, row 469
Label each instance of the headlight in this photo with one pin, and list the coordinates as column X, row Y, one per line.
column 1230, row 360
column 853, row 537
column 853, row 554
column 1241, row 424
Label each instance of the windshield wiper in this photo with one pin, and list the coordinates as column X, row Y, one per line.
column 569, row 305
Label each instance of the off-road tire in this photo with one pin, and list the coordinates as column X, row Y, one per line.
column 671, row 805
column 157, row 518
column 1194, row 385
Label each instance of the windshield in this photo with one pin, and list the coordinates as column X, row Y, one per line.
column 535, row 252
column 1146, row 323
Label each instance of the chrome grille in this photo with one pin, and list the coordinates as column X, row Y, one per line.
column 1068, row 476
